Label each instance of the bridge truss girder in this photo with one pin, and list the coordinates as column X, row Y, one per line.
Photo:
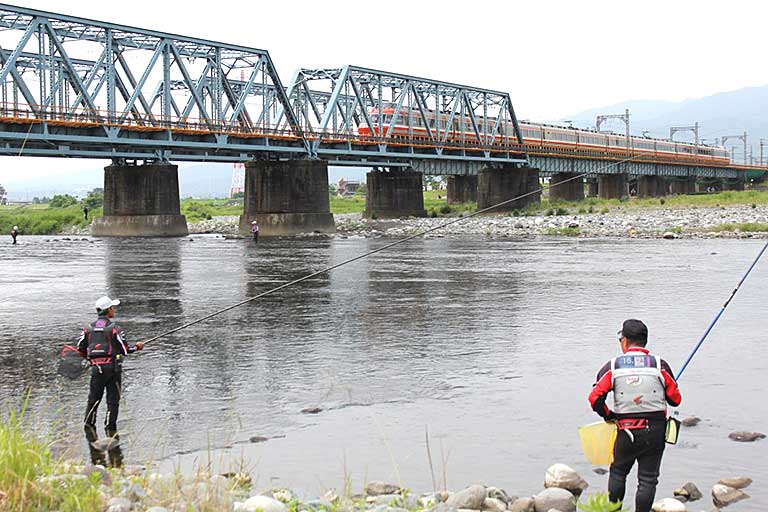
column 140, row 79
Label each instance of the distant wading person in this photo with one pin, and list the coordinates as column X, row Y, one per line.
column 642, row 386
column 14, row 234
column 103, row 344
column 255, row 231
column 85, row 211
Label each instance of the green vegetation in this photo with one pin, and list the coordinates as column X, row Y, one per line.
column 563, row 231
column 201, row 209
column 29, row 477
column 353, row 204
column 747, row 227
column 42, row 219
column 59, row 201
column 599, row 503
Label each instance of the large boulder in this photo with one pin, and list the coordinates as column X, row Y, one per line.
column 522, row 505
column 669, row 505
column 472, row 497
column 722, row 495
column 745, row 437
column 564, row 477
column 554, row 497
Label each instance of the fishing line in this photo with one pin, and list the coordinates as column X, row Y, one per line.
column 380, row 249
column 720, row 313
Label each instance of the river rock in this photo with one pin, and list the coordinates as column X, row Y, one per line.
column 522, row 505
column 498, row 494
column 119, row 505
column 377, row 488
column 745, row 437
column 563, row 477
column 668, row 505
column 689, row 491
column 554, row 497
column 600, row 471
column 722, row 495
column 104, row 476
column 258, row 439
column 669, row 235
column 690, row 421
column 494, row 505
column 737, row 482
column 262, row 504
column 471, row 497
column 157, row 509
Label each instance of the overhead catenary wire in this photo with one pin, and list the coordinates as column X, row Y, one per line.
column 720, row 313
column 380, row 249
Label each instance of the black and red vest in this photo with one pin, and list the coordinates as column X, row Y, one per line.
column 100, row 336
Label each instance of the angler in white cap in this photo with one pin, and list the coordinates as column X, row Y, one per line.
column 255, row 231
column 14, row 233
column 103, row 344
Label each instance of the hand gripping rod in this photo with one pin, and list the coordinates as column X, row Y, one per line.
column 733, row 293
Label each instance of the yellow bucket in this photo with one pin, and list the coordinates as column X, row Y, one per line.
column 597, row 441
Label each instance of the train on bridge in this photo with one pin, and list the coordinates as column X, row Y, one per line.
column 410, row 123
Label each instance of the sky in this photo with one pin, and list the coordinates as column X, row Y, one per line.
column 555, row 57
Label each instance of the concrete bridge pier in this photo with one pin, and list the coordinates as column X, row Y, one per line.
column 651, row 186
column 613, row 186
column 497, row 185
column 462, row 189
column 682, row 186
column 592, row 187
column 394, row 193
column 287, row 197
column 141, row 200
column 564, row 186
column 733, row 184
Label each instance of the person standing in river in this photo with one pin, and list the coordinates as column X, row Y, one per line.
column 103, row 344
column 255, row 231
column 85, row 211
column 14, row 234
column 642, row 386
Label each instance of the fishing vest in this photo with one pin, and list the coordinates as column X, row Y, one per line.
column 100, row 335
column 638, row 386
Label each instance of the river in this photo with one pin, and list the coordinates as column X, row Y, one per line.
column 489, row 345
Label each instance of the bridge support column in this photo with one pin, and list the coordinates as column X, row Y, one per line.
column 495, row 186
column 613, row 186
column 733, row 184
column 462, row 189
column 683, row 186
column 592, row 188
column 651, row 186
column 394, row 193
column 141, row 200
column 287, row 197
column 560, row 189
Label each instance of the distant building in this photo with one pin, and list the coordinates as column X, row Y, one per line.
column 347, row 187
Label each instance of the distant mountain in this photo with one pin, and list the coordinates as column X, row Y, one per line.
column 726, row 113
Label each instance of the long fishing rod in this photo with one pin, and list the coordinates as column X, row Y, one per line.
column 380, row 249
column 720, row 313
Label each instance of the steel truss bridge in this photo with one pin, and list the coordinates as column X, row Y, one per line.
column 72, row 87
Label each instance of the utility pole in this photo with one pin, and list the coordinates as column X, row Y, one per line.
column 624, row 117
column 694, row 129
column 762, row 143
column 742, row 137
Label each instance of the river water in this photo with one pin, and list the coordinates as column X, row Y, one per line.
column 489, row 346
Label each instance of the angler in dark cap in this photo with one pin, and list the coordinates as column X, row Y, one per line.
column 103, row 344
column 642, row 386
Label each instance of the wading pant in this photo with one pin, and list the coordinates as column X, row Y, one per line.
column 646, row 448
column 111, row 381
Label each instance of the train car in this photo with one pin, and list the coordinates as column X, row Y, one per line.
column 537, row 136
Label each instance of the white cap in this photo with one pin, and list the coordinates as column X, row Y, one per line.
column 105, row 303
column 253, row 222
column 15, row 227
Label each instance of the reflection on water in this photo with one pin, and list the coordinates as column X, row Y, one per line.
column 489, row 345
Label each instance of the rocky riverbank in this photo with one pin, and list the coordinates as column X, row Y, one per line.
column 140, row 489
column 626, row 222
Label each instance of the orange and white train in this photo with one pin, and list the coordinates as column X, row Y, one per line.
column 540, row 137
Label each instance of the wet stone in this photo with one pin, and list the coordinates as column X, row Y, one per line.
column 494, row 505
column 689, row 491
column 564, row 477
column 668, row 505
column 745, row 437
column 690, row 421
column 522, row 505
column 737, row 482
column 497, row 494
column 600, row 471
column 379, row 488
column 722, row 495
column 471, row 497
column 556, row 498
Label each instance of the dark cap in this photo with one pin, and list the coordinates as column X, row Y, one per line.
column 634, row 330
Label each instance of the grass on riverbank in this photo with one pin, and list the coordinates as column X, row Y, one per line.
column 37, row 219
column 746, row 227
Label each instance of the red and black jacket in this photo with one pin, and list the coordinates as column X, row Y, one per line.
column 116, row 337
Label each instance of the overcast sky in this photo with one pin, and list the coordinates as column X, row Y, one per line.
column 554, row 57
